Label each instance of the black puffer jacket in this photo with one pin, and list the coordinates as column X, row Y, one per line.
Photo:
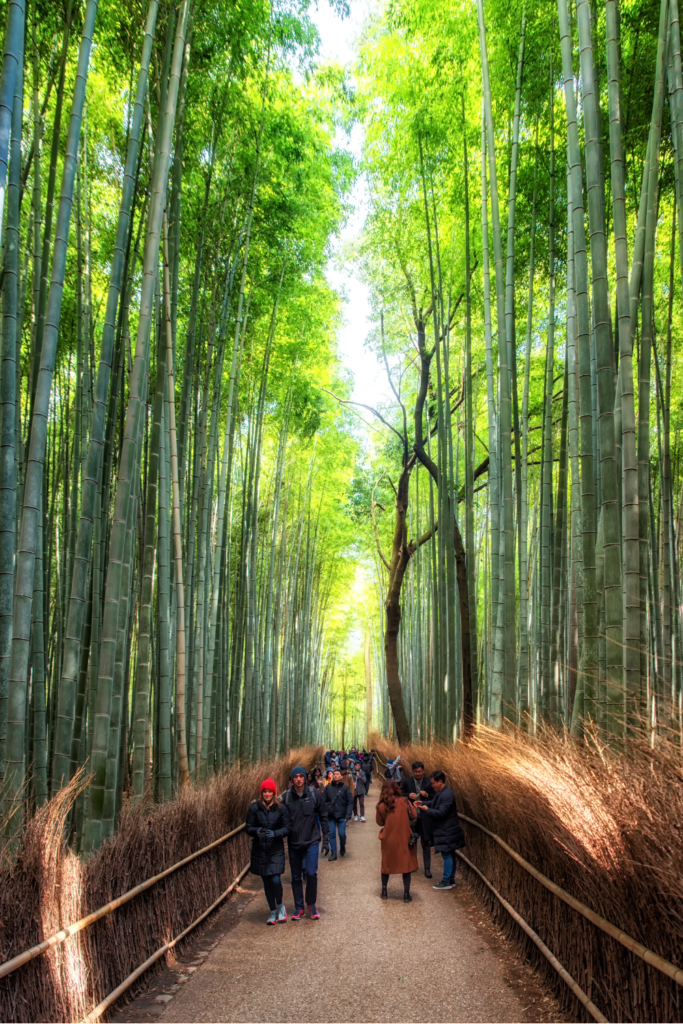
column 339, row 800
column 442, row 822
column 308, row 816
column 267, row 857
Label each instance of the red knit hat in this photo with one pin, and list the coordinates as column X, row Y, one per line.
column 269, row 784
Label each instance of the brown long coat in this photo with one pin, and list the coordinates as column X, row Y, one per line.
column 397, row 857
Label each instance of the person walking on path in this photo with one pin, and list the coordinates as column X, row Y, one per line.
column 447, row 835
column 396, row 816
column 419, row 787
column 268, row 823
column 360, row 789
column 348, row 779
column 308, row 814
column 339, row 804
column 367, row 764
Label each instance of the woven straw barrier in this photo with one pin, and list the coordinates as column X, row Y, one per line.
column 585, row 847
column 45, row 888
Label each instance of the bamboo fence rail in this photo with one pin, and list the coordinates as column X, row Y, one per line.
column 538, row 941
column 108, row 908
column 616, row 933
column 635, row 947
column 95, row 1014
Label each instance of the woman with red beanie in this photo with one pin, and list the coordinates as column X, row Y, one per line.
column 268, row 823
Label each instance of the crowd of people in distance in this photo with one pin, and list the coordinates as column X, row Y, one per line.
column 313, row 814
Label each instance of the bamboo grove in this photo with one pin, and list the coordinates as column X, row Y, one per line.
column 525, row 253
column 169, row 552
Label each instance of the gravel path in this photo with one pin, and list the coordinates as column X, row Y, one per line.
column 366, row 959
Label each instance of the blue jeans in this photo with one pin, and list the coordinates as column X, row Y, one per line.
column 304, row 858
column 449, row 864
column 337, row 824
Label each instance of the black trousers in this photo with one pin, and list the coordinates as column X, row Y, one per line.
column 406, row 880
column 426, row 854
column 272, row 886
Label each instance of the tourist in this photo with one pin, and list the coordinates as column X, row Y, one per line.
column 308, row 814
column 329, row 775
column 447, row 834
column 339, row 805
column 418, row 787
column 360, row 790
column 367, row 766
column 396, row 815
column 394, row 770
column 348, row 777
column 268, row 822
column 317, row 778
column 328, row 758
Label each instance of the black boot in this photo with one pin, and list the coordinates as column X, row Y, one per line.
column 428, row 873
column 407, row 898
column 385, row 894
column 342, row 847
column 333, row 856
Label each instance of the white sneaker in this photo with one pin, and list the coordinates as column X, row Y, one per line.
column 362, row 817
column 355, row 817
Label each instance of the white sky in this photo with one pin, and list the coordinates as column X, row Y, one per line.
column 338, row 41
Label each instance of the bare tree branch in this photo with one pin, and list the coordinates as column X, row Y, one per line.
column 344, row 401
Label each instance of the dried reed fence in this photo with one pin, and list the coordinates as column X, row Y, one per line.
column 46, row 887
column 607, row 828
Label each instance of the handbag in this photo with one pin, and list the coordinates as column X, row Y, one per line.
column 414, row 836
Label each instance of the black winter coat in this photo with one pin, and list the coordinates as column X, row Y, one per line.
column 441, row 822
column 411, row 785
column 339, row 800
column 267, row 858
column 308, row 816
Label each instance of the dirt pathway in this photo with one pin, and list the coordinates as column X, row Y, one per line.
column 365, row 959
